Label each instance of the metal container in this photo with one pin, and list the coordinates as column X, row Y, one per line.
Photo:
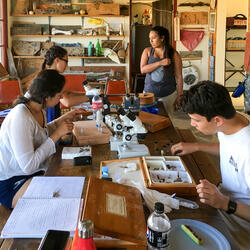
column 86, row 229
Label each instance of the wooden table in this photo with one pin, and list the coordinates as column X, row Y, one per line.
column 199, row 164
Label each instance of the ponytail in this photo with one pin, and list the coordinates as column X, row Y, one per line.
column 21, row 100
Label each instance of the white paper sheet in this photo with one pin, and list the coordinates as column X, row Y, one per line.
column 46, row 186
column 31, row 218
column 40, row 209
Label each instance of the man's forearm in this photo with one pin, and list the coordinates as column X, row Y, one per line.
column 242, row 209
column 212, row 148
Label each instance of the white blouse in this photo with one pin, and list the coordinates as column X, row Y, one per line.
column 24, row 145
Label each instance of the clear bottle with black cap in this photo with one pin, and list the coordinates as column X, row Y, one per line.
column 158, row 228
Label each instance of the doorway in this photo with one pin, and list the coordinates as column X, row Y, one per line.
column 145, row 15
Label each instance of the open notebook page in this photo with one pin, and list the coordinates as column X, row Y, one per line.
column 31, row 218
column 47, row 186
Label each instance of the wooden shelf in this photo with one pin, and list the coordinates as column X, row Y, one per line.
column 234, row 70
column 70, row 57
column 68, row 36
column 236, row 27
column 235, row 50
column 190, row 58
column 64, row 15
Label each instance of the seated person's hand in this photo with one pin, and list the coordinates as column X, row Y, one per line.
column 183, row 148
column 74, row 115
column 210, row 194
column 65, row 128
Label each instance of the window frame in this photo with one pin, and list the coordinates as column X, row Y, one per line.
column 4, row 34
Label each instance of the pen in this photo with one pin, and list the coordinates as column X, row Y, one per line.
column 173, row 195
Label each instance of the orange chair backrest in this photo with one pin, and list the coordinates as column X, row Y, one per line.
column 116, row 87
column 9, row 91
column 74, row 82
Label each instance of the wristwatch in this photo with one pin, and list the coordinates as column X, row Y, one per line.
column 231, row 207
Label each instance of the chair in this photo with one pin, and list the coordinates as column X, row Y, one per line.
column 9, row 91
column 116, row 88
column 74, row 83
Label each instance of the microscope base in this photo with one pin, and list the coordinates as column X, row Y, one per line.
column 133, row 150
column 114, row 143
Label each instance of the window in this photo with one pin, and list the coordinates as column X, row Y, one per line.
column 3, row 32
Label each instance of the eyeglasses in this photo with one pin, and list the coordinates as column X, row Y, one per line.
column 65, row 60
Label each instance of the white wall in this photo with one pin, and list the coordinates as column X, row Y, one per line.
column 201, row 64
column 237, row 7
column 227, row 8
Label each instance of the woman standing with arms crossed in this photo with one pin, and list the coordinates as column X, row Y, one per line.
column 26, row 140
column 163, row 68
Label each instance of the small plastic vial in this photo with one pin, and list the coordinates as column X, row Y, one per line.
column 121, row 32
column 107, row 29
column 158, row 228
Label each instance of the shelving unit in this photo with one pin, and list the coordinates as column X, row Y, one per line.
column 68, row 36
column 234, row 56
column 73, row 20
column 66, row 15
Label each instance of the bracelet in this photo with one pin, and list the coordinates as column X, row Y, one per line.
column 231, row 207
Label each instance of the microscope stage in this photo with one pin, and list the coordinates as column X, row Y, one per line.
column 115, row 142
column 132, row 150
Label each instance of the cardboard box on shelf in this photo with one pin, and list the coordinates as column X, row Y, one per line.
column 103, row 9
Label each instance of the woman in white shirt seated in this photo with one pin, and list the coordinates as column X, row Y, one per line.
column 26, row 140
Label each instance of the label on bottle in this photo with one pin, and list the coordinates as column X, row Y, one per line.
column 97, row 105
column 157, row 239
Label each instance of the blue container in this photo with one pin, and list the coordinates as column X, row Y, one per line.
column 239, row 90
column 151, row 110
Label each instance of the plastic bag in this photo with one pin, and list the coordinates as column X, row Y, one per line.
column 158, row 74
column 151, row 196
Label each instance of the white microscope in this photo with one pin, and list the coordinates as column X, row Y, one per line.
column 127, row 128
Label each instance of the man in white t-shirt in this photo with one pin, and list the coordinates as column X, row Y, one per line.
column 210, row 108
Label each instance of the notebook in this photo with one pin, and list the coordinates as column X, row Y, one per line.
column 48, row 203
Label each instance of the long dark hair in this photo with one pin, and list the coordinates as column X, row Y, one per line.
column 164, row 33
column 53, row 53
column 46, row 84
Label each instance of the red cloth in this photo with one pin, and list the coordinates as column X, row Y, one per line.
column 190, row 39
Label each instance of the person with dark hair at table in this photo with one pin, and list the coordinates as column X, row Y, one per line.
column 57, row 58
column 163, row 68
column 26, row 140
column 210, row 108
